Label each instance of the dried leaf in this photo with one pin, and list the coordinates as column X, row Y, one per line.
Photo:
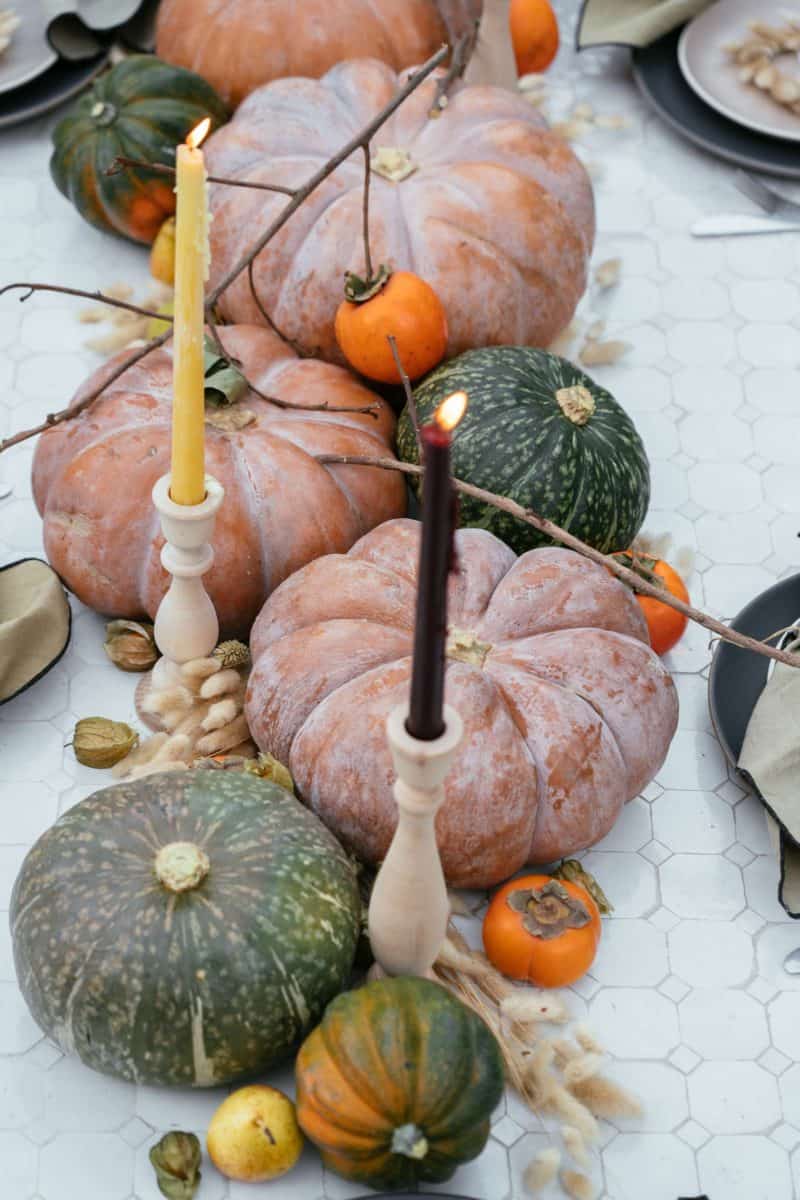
column 176, row 1161
column 100, row 743
column 574, row 872
column 225, row 383
column 602, row 354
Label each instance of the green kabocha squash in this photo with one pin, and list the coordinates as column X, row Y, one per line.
column 539, row 431
column 398, row 1084
column 185, row 928
column 142, row 108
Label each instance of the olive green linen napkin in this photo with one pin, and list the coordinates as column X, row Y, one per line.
column 35, row 623
column 633, row 22
column 770, row 757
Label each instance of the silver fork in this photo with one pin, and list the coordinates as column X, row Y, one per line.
column 763, row 195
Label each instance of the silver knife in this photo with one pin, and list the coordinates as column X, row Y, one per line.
column 737, row 224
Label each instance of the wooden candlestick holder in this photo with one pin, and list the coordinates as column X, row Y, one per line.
column 186, row 625
column 409, row 909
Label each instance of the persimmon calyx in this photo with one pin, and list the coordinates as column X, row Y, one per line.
column 358, row 290
column 643, row 566
column 549, row 911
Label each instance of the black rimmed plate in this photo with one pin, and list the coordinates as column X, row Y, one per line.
column 737, row 677
column 59, row 83
column 659, row 78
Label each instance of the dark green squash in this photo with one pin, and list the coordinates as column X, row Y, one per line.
column 539, row 431
column 398, row 1083
column 195, row 966
column 142, row 108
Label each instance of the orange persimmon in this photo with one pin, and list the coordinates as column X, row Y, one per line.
column 534, row 34
column 542, row 930
column 665, row 625
column 403, row 305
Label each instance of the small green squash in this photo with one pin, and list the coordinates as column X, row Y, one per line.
column 142, row 108
column 398, row 1084
column 185, row 928
column 541, row 432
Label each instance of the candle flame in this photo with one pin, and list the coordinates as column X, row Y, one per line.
column 450, row 411
column 195, row 137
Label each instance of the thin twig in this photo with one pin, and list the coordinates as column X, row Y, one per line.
column 463, row 51
column 551, row 530
column 407, row 388
column 267, row 317
column 122, row 161
column 100, row 297
column 298, row 197
column 365, row 210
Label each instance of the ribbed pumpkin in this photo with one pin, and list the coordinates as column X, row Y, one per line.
column 398, row 1084
column 484, row 203
column 237, row 45
column 281, row 507
column 540, row 431
column 567, row 711
column 185, row 928
column 142, row 108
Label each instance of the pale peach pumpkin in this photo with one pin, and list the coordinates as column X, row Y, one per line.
column 567, row 711
column 488, row 206
column 92, row 479
column 239, row 44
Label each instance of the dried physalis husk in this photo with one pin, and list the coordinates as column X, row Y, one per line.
column 99, row 742
column 176, row 1161
column 574, row 872
column 267, row 767
column 232, row 654
column 130, row 645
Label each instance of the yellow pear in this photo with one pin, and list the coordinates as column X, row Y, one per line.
column 162, row 254
column 254, row 1135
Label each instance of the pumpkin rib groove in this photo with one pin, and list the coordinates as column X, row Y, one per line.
column 365, row 1094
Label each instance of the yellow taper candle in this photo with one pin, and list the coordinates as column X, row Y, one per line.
column 191, row 271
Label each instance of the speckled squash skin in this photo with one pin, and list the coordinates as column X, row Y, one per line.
column 198, row 988
column 515, row 440
column 398, row 1053
column 142, row 109
column 281, row 507
column 237, row 45
column 498, row 216
column 567, row 711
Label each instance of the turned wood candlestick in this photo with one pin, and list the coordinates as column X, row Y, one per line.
column 409, row 909
column 186, row 625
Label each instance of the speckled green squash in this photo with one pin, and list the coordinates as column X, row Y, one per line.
column 571, row 455
column 398, row 1084
column 195, row 966
column 142, row 108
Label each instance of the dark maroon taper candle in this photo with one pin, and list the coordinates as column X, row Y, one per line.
column 426, row 709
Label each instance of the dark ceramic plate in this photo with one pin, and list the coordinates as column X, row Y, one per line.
column 59, row 83
column 737, row 677
column 659, row 78
column 411, row 1196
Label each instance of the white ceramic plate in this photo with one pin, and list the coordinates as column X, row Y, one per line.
column 30, row 53
column 714, row 78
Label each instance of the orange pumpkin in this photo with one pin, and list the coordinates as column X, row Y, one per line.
column 567, row 711
column 534, row 34
column 665, row 625
column 405, row 307
column 92, row 479
column 542, row 930
column 240, row 44
column 488, row 206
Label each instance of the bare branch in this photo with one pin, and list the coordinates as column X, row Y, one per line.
column 100, row 297
column 551, row 530
column 365, row 211
column 463, row 51
column 407, row 388
column 122, row 161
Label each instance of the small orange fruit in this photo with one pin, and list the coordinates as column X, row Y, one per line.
column 534, row 34
column 405, row 306
column 665, row 625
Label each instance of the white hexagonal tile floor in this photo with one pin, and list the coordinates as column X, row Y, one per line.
column 688, row 992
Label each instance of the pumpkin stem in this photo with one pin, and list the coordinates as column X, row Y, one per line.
column 463, row 646
column 577, row 403
column 103, row 113
column 410, row 1141
column 181, row 866
column 358, row 290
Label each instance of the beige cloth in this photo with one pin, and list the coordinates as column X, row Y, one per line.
column 35, row 624
column 771, row 758
column 633, row 22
